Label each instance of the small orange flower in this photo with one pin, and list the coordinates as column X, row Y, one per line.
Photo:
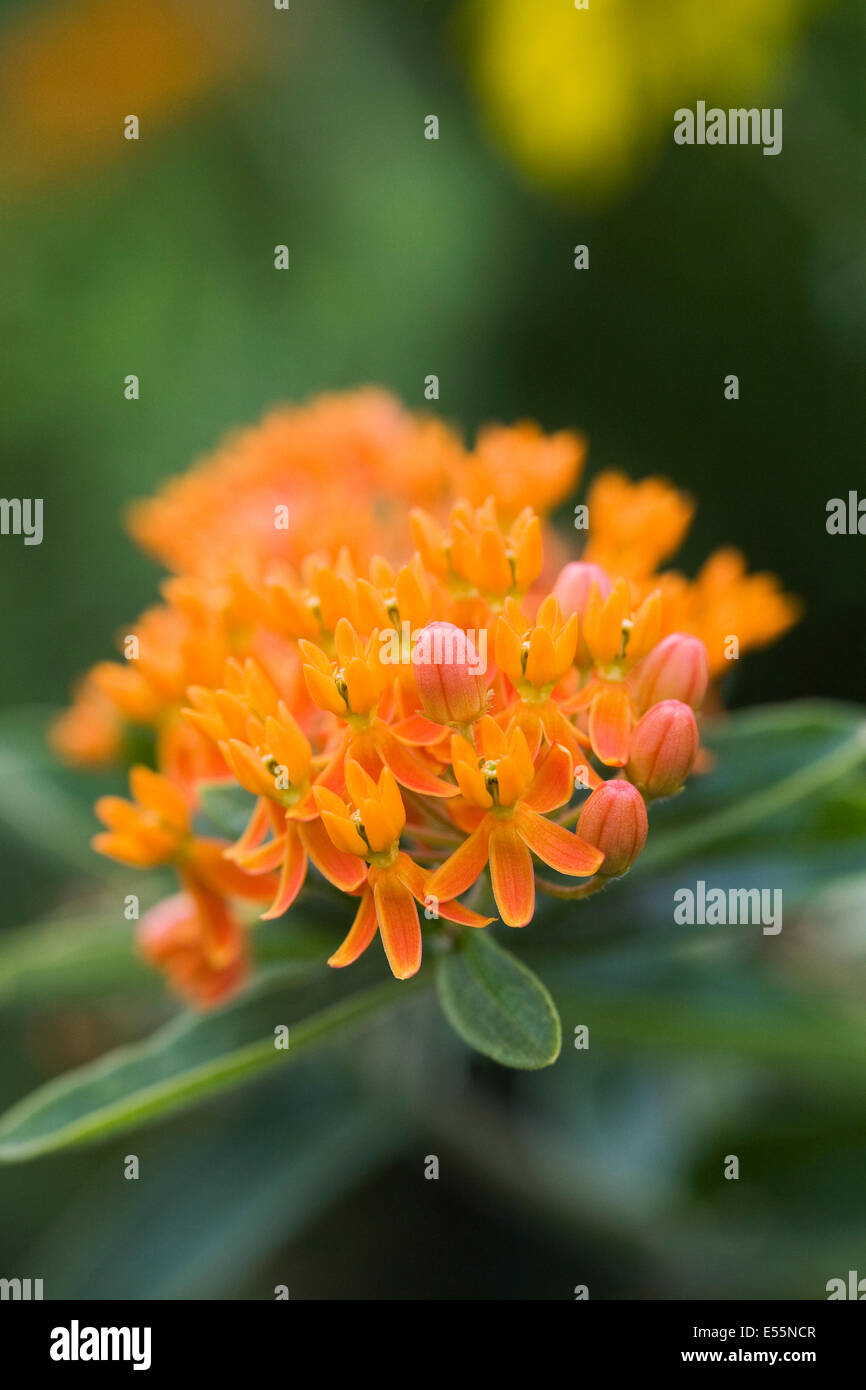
column 615, row 640
column 634, row 526
column 394, row 882
column 506, row 797
column 271, row 757
column 726, row 602
column 198, row 943
column 151, row 829
column 535, row 658
column 475, row 556
column 350, row 688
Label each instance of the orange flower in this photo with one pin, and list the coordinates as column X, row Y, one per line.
column 271, row 757
column 350, row 688
column 199, row 944
column 220, row 517
column 475, row 556
column 535, row 659
column 506, row 796
column 725, row 602
column 90, row 732
column 154, row 828
column 394, row 882
column 288, row 657
column 520, row 466
column 634, row 526
column 615, row 639
column 151, row 829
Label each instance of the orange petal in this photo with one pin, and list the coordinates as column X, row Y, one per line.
column 507, row 650
column 323, row 691
column 345, row 871
column 512, row 875
column 257, row 826
column 417, row 880
column 558, row 847
column 378, row 827
column 156, row 793
column 398, row 925
column 470, row 780
column 292, row 876
column 529, row 552
column 128, row 849
column 262, row 860
column 610, row 725
column 417, row 730
column 359, row 784
column 361, row 933
column 463, row 867
column 541, row 665
column 221, row 937
column 553, row 783
column 344, row 834
column 247, row 767
column 407, row 767
column 456, row 912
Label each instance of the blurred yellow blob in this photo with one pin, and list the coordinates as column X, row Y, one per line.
column 70, row 73
column 583, row 99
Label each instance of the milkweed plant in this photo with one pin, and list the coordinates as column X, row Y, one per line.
column 424, row 697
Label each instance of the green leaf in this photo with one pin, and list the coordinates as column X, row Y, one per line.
column 702, row 1005
column 227, row 806
column 193, row 1057
column 497, row 1005
column 46, row 806
column 276, row 1158
column 70, row 959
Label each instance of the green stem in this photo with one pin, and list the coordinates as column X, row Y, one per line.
column 568, row 893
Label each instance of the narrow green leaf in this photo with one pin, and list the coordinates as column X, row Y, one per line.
column 193, row 1057
column 47, row 807
column 70, row 959
column 497, row 1005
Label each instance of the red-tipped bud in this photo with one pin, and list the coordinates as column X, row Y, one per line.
column 677, row 669
column 449, row 674
column 664, row 746
column 614, row 819
column 573, row 584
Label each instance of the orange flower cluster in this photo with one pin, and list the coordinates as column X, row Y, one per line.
column 401, row 723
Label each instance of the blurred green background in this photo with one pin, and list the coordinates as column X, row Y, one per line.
column 453, row 257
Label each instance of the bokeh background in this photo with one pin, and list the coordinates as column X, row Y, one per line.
column 454, row 257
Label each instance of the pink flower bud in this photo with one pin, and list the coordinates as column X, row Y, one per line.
column 573, row 584
column 677, row 669
column 449, row 677
column 664, row 746
column 614, row 819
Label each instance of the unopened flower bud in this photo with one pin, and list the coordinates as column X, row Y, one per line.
column 449, row 676
column 573, row 584
column 614, row 819
column 676, row 669
column 664, row 746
